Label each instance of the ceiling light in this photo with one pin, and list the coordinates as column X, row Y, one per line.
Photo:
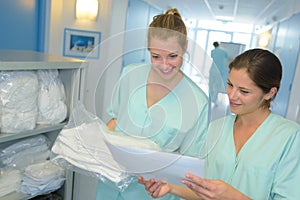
column 224, row 18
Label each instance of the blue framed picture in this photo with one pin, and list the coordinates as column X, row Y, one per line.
column 81, row 43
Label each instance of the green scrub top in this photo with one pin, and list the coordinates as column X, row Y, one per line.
column 221, row 59
column 267, row 166
column 178, row 122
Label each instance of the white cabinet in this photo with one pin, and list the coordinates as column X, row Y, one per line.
column 71, row 73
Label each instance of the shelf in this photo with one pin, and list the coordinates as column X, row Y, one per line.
column 71, row 73
column 5, row 137
column 16, row 195
column 31, row 60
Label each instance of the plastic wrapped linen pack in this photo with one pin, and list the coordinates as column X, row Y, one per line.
column 51, row 100
column 76, row 148
column 81, row 147
column 18, row 99
column 41, row 178
column 25, row 152
column 10, row 181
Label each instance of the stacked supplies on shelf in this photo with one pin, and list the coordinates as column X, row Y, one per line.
column 51, row 98
column 26, row 164
column 18, row 92
column 25, row 152
column 42, row 177
column 28, row 98
column 10, row 181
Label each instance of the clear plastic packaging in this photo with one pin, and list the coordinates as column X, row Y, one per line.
column 18, row 99
column 25, row 152
column 80, row 147
column 42, row 177
column 51, row 99
column 10, row 180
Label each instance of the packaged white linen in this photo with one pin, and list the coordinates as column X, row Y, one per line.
column 10, row 181
column 18, row 99
column 40, row 178
column 81, row 146
column 27, row 151
column 51, row 99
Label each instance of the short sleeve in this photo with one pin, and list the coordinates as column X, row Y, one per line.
column 285, row 185
column 192, row 144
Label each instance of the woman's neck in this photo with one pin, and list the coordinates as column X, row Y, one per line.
column 255, row 118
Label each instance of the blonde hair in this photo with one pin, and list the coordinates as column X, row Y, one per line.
column 169, row 24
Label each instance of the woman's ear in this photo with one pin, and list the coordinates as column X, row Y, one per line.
column 271, row 93
column 186, row 46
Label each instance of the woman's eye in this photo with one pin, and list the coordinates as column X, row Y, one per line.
column 244, row 91
column 155, row 56
column 229, row 84
column 173, row 56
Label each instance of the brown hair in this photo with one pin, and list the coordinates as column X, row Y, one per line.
column 169, row 24
column 263, row 67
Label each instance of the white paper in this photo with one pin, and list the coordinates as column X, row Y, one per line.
column 168, row 167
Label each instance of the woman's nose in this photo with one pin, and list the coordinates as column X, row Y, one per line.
column 165, row 62
column 232, row 94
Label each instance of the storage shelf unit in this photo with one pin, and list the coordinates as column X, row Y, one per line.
column 71, row 73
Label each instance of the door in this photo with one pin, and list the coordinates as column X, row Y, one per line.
column 22, row 24
column 287, row 48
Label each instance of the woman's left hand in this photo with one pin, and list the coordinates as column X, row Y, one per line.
column 155, row 188
column 212, row 189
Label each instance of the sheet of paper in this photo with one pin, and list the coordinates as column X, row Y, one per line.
column 169, row 167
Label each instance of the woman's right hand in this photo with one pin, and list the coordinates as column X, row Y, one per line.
column 111, row 124
column 155, row 188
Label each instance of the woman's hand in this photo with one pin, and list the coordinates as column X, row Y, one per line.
column 155, row 188
column 212, row 189
column 111, row 124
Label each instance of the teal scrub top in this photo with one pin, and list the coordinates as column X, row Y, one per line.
column 178, row 122
column 221, row 59
column 267, row 166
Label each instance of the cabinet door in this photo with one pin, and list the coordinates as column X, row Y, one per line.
column 22, row 24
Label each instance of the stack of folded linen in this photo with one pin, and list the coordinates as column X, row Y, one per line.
column 27, row 151
column 85, row 147
column 30, row 97
column 18, row 92
column 51, row 99
column 42, row 177
column 10, row 181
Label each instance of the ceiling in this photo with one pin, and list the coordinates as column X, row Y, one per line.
column 257, row 12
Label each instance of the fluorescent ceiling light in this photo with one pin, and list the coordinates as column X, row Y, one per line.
column 224, row 18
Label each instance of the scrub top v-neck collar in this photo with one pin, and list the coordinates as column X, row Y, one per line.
column 163, row 99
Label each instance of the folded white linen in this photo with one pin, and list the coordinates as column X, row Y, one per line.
column 10, row 181
column 25, row 152
column 19, row 92
column 85, row 147
column 51, row 98
column 42, row 177
column 43, row 171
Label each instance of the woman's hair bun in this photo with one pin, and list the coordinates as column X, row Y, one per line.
column 173, row 11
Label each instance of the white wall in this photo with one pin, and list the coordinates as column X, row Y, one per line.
column 110, row 22
column 101, row 73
